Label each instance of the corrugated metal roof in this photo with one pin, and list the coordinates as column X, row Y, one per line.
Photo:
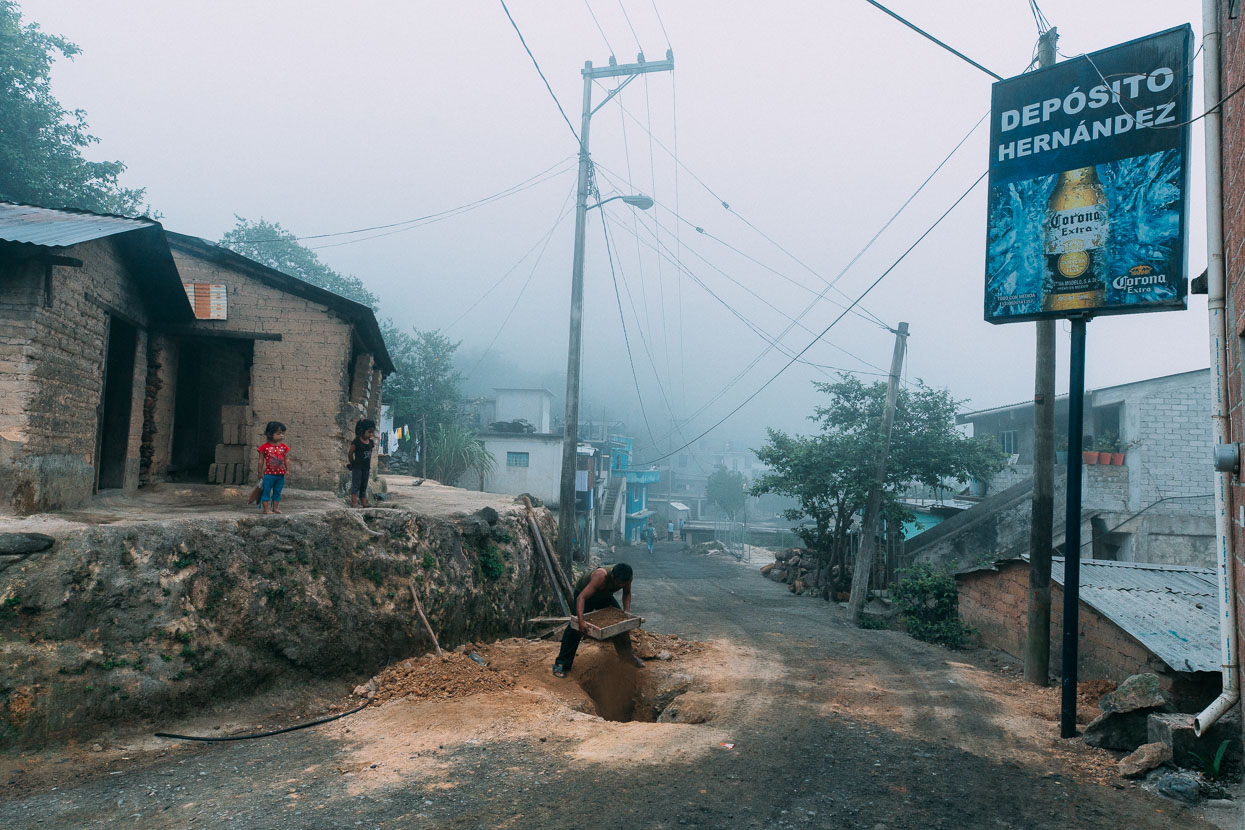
column 1158, row 605
column 60, row 228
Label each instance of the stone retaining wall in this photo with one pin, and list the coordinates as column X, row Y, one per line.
column 151, row 620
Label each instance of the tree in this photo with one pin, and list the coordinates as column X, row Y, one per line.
column 829, row 473
column 41, row 159
column 725, row 488
column 425, row 388
column 270, row 244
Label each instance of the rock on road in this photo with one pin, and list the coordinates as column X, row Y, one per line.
column 934, row 752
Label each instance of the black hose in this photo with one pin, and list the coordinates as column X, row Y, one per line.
column 264, row 734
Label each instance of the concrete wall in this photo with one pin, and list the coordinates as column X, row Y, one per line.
column 543, row 475
column 998, row 527
column 1168, row 422
column 303, row 379
column 532, row 405
column 52, row 350
column 994, row 603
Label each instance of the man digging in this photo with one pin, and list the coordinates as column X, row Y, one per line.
column 593, row 591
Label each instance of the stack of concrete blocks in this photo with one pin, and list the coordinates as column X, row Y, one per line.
column 232, row 463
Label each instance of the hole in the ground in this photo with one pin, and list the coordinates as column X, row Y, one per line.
column 617, row 692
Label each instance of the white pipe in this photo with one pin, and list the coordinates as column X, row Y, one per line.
column 1215, row 284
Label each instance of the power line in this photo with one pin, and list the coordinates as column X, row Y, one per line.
column 926, row 34
column 627, row 18
column 542, row 240
column 599, row 29
column 662, row 24
column 569, row 126
column 824, row 331
column 509, row 191
column 561, row 215
column 773, row 343
column 447, row 214
column 635, row 379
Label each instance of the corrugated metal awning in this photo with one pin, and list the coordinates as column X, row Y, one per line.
column 1170, row 609
column 60, row 228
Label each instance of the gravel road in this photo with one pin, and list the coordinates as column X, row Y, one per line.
column 797, row 761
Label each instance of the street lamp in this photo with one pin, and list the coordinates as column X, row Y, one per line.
column 567, row 525
column 639, row 200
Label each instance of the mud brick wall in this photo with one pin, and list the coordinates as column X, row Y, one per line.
column 51, row 375
column 995, row 604
column 1232, row 75
column 302, row 379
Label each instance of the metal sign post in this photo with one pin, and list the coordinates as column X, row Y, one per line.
column 1072, row 531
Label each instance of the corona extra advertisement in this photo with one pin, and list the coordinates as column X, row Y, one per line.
column 1089, row 171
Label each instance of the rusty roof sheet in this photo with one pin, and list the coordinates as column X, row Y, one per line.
column 60, row 228
column 1172, row 610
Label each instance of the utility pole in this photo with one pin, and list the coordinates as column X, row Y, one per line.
column 574, row 351
column 869, row 527
column 1042, row 515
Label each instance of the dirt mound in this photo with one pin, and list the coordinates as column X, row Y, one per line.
column 649, row 646
column 430, row 677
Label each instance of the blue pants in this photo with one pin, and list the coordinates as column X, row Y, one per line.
column 271, row 491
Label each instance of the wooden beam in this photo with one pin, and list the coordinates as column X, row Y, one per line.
column 191, row 331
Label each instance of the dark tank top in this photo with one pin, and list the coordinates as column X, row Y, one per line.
column 582, row 582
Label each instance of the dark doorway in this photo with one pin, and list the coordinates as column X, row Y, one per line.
column 114, row 422
column 210, row 375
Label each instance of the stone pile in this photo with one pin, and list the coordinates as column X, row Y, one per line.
column 796, row 568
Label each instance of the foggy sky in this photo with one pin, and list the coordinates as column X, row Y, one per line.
column 814, row 121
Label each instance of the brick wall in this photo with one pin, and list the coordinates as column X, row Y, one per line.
column 1232, row 75
column 995, row 603
column 53, row 382
column 301, row 379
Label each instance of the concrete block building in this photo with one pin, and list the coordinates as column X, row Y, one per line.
column 1156, row 507
column 129, row 355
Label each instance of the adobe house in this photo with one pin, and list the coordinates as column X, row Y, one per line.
column 129, row 355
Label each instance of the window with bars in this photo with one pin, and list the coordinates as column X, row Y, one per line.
column 516, row 459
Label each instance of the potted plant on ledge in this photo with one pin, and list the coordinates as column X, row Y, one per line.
column 1089, row 455
column 1110, row 450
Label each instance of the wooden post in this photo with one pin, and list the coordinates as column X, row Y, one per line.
column 873, row 507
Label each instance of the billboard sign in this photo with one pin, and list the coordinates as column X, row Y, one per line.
column 1089, row 173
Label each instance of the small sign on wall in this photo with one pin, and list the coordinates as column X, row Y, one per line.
column 208, row 300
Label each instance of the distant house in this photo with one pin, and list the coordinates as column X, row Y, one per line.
column 129, row 355
column 1133, row 618
column 1156, row 506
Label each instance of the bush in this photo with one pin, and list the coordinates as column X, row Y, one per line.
column 491, row 564
column 929, row 606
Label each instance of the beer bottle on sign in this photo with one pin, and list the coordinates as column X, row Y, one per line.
column 1076, row 242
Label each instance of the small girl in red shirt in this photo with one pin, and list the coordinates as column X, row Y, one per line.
column 272, row 454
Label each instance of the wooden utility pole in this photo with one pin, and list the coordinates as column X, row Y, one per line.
column 873, row 506
column 1042, row 515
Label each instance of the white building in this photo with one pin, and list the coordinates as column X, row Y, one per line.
column 525, row 463
column 531, row 405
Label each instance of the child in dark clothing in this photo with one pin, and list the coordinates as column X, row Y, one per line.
column 359, row 460
column 273, row 454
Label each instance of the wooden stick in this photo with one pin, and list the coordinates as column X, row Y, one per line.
column 553, row 580
column 420, row 608
column 545, row 547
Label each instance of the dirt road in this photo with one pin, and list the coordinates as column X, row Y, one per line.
column 831, row 727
